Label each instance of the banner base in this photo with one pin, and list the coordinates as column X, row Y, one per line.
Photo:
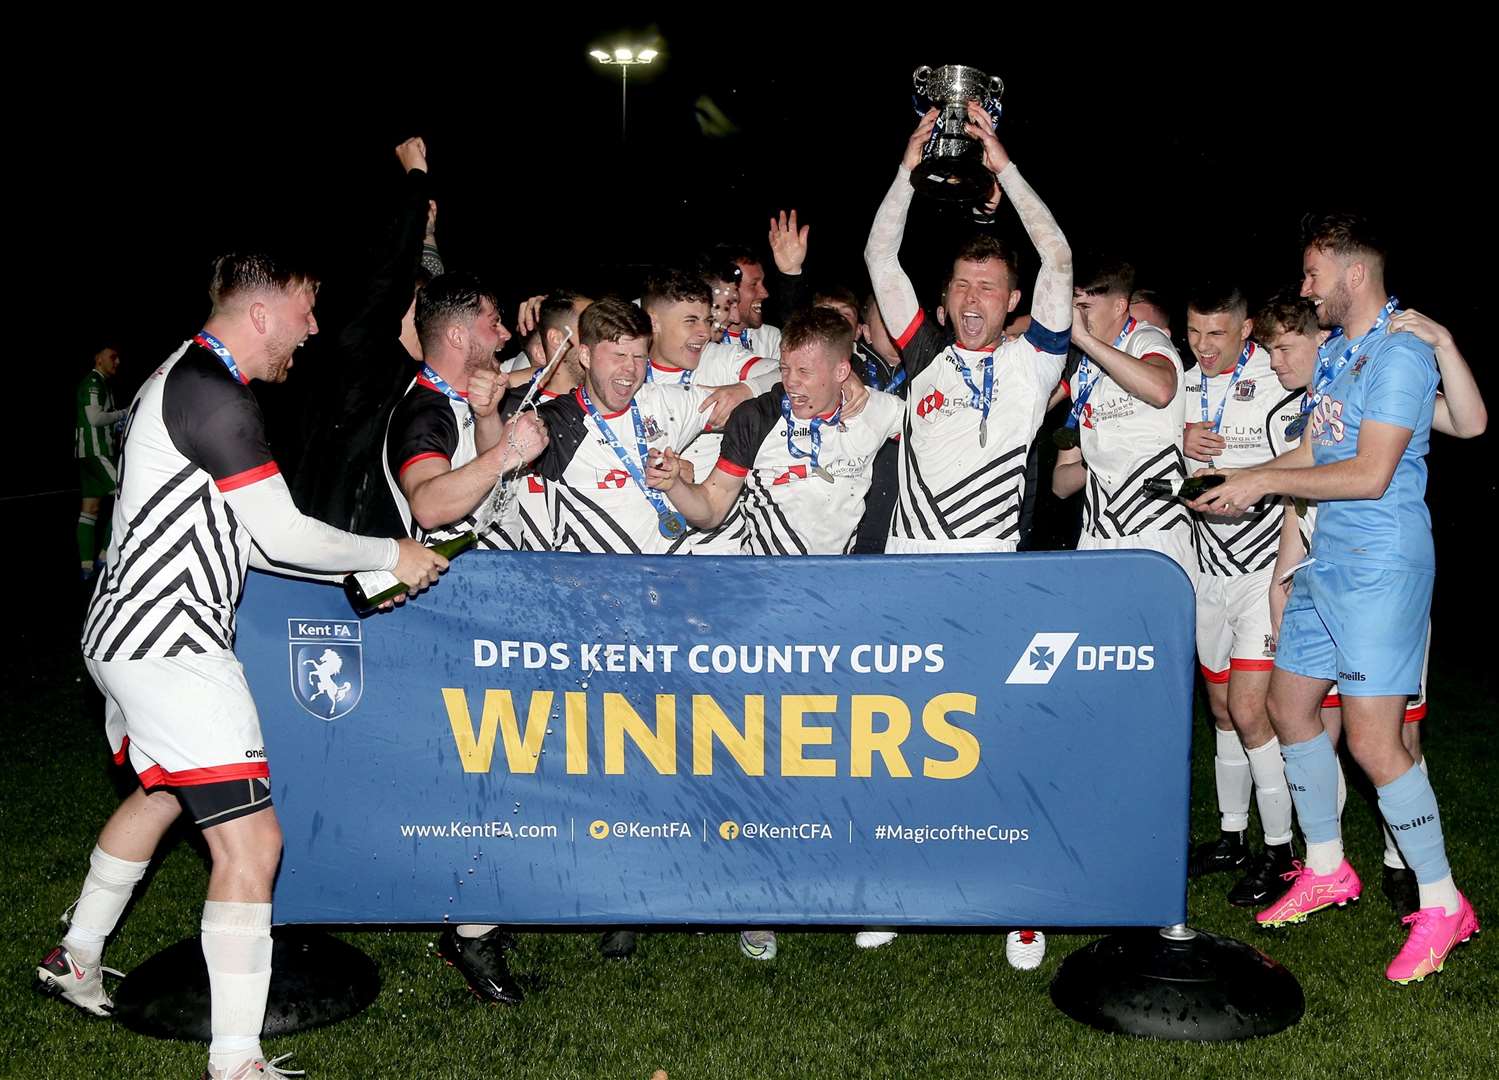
column 1179, row 984
column 315, row 980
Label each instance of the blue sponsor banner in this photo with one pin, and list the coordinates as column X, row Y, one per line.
column 545, row 738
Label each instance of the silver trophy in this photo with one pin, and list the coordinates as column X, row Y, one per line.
column 952, row 165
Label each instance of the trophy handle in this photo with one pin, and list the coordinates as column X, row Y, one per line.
column 996, row 86
column 919, row 77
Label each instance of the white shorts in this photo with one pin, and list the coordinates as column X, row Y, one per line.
column 183, row 721
column 1415, row 705
column 1233, row 624
column 1175, row 543
column 905, row 545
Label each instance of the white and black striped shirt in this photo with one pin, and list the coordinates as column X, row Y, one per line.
column 596, row 505
column 1126, row 442
column 951, row 487
column 1255, row 413
column 788, row 507
column 427, row 424
column 198, row 491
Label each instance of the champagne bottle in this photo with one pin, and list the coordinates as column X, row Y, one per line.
column 368, row 589
column 1192, row 487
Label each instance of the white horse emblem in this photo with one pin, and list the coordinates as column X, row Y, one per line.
column 324, row 683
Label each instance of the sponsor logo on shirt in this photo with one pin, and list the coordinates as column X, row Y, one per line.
column 1244, row 390
column 614, row 478
column 1358, row 365
column 1327, row 419
column 930, row 404
column 795, row 472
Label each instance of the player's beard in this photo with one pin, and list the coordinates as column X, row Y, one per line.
column 279, row 352
column 479, row 360
column 1334, row 309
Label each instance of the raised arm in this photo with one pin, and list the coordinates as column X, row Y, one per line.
column 439, row 494
column 892, row 288
column 1051, row 304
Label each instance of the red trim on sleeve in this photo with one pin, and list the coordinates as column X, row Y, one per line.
column 1332, row 701
column 905, row 338
column 1066, row 389
column 1416, row 713
column 119, row 755
column 1218, row 678
column 422, row 457
column 1158, row 356
column 248, row 477
column 729, row 467
column 1250, row 665
column 745, row 370
column 156, row 776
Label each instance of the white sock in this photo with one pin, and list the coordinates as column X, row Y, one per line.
column 1442, row 894
column 1392, row 857
column 237, row 950
column 473, row 930
column 1231, row 770
column 1270, row 792
column 106, row 891
column 1324, row 857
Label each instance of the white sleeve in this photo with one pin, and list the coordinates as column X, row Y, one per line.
column 892, row 289
column 1051, row 306
column 291, row 541
column 762, row 373
column 98, row 417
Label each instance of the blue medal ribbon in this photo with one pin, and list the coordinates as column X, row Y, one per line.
column 670, row 523
column 875, row 381
column 1328, row 369
column 816, row 424
column 1238, row 370
column 441, row 385
column 1085, row 385
column 687, row 374
column 979, row 399
column 219, row 349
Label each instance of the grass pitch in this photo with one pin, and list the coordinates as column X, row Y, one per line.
column 930, row 1004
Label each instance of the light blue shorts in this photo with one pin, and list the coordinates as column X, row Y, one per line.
column 1363, row 627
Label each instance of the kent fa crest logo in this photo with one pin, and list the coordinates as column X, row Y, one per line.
column 327, row 665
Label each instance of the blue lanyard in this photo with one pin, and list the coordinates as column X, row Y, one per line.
column 816, row 424
column 978, row 399
column 650, row 374
column 441, row 385
column 875, row 381
column 1238, row 370
column 219, row 349
column 742, row 339
column 1085, row 385
column 637, row 472
column 1329, row 370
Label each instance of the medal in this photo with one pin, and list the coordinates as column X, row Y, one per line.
column 983, row 432
column 979, row 399
column 1296, row 427
column 669, row 522
column 816, row 425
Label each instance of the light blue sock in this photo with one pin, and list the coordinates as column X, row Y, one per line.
column 1312, row 775
column 1409, row 807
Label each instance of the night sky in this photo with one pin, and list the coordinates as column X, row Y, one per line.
column 1192, row 151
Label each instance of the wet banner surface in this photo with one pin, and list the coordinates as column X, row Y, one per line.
column 545, row 738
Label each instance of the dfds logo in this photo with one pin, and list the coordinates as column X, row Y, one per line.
column 1047, row 652
column 327, row 665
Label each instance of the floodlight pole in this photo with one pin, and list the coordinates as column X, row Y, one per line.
column 624, row 95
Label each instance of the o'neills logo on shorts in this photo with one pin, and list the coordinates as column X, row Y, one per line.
column 1351, row 676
